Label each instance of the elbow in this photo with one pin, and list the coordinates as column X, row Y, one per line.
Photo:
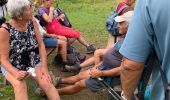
column 131, row 65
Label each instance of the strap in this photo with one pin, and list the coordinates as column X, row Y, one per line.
column 121, row 9
column 164, row 79
column 146, row 76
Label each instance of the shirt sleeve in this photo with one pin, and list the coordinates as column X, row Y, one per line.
column 139, row 38
column 42, row 31
column 41, row 11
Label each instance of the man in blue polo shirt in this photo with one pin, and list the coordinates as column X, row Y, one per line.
column 149, row 29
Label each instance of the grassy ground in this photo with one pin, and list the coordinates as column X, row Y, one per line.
column 87, row 16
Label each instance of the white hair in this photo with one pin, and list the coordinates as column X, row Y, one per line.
column 16, row 7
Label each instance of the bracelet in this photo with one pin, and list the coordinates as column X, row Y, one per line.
column 123, row 96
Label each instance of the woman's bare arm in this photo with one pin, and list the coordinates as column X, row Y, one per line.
column 48, row 18
column 40, row 43
column 4, row 51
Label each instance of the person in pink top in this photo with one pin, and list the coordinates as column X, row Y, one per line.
column 47, row 19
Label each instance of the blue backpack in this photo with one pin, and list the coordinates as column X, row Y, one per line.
column 111, row 24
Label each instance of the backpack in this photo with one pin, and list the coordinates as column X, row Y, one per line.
column 64, row 21
column 73, row 56
column 3, row 2
column 111, row 24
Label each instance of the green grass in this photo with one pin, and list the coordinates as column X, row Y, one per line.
column 87, row 16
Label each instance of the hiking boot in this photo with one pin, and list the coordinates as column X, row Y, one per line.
column 52, row 77
column 62, row 66
column 39, row 92
column 90, row 49
column 73, row 68
column 56, row 81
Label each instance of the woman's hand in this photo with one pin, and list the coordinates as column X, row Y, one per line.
column 45, row 75
column 20, row 75
column 53, row 35
column 51, row 9
column 61, row 16
column 94, row 73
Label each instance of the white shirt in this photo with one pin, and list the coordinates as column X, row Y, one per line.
column 42, row 31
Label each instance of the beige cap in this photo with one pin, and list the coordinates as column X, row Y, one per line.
column 125, row 17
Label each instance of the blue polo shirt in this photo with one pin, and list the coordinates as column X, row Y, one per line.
column 150, row 28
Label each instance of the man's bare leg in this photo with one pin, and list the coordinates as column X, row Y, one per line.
column 72, row 88
column 76, row 78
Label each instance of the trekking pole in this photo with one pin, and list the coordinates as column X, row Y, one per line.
column 109, row 89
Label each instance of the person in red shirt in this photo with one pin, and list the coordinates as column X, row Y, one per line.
column 51, row 22
column 129, row 3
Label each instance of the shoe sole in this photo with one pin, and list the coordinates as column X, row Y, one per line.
column 70, row 70
column 89, row 52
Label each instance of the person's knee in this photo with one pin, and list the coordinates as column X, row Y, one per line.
column 79, row 84
column 19, row 85
column 77, row 36
column 62, row 43
column 64, row 38
column 45, row 85
column 97, row 52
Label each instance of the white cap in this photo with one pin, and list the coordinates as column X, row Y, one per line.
column 125, row 17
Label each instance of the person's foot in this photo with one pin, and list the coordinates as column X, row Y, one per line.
column 62, row 66
column 63, row 69
column 90, row 49
column 57, row 81
column 73, row 68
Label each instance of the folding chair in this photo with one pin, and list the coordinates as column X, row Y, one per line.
column 109, row 89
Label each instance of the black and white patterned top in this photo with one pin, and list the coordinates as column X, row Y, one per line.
column 24, row 50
